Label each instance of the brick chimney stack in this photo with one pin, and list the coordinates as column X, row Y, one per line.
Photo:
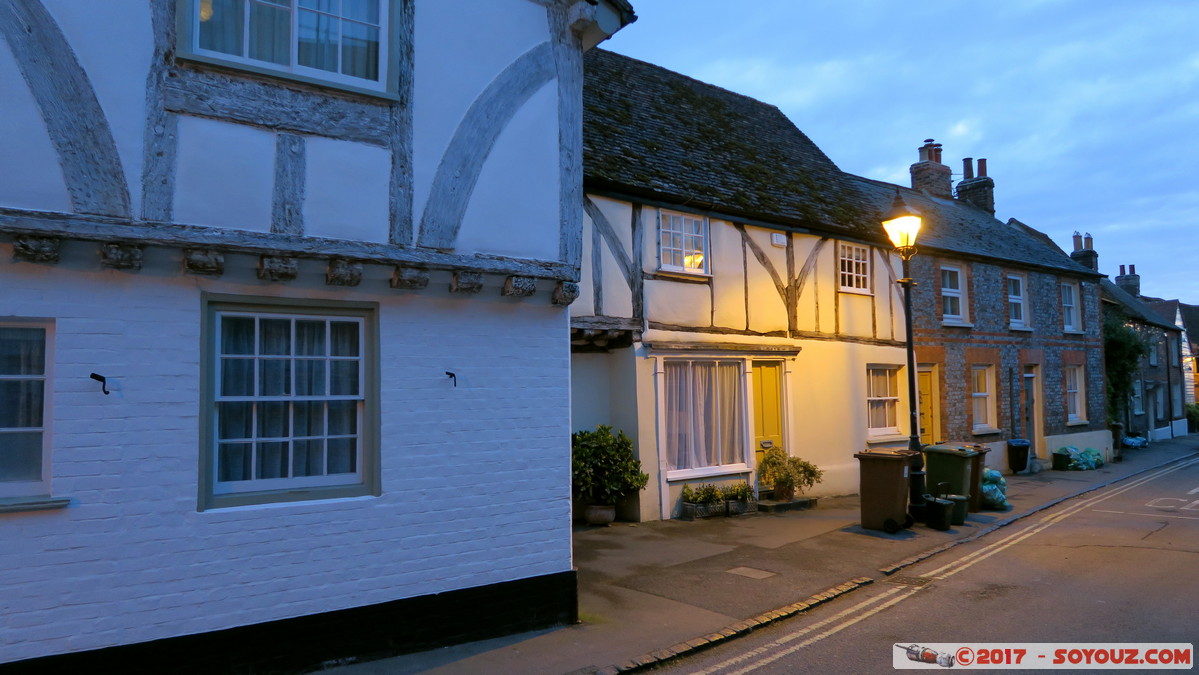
column 977, row 190
column 1084, row 251
column 1131, row 282
column 929, row 174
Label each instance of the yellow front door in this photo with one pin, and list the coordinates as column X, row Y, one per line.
column 927, row 410
column 768, row 406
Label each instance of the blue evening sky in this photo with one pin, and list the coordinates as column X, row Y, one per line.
column 1087, row 111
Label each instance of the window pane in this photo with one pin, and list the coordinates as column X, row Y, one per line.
column 274, row 377
column 361, row 10
column 980, row 412
column 318, row 41
column 308, row 458
column 345, row 338
column 308, row 418
column 221, row 24
column 22, row 351
column 236, row 421
column 21, row 403
column 310, row 338
column 359, row 50
column 233, row 461
column 270, row 34
column 310, row 377
column 343, row 455
column 878, row 414
column 343, row 418
column 272, row 420
column 276, row 336
column 951, row 306
column 272, row 460
column 979, row 381
column 21, row 456
column 949, row 279
column 237, row 335
column 237, row 377
column 328, row 6
column 1015, row 311
column 344, row 378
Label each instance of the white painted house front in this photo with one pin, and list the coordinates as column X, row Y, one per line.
column 283, row 358
column 732, row 298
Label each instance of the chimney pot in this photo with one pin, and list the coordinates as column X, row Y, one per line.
column 1077, row 241
column 982, row 168
column 929, row 174
column 1088, row 243
column 1132, row 269
column 1122, row 270
column 968, row 168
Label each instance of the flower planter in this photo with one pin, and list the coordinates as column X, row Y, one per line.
column 736, row 508
column 691, row 511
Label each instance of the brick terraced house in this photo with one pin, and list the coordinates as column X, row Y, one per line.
column 1007, row 327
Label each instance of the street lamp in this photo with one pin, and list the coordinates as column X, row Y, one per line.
column 902, row 224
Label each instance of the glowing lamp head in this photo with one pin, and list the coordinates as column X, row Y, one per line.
column 901, row 223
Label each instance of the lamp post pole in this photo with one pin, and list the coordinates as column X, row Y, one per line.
column 902, row 224
column 906, row 252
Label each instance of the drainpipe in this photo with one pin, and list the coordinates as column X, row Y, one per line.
column 1013, row 398
column 1169, row 385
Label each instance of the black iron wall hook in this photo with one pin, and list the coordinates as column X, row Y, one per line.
column 103, row 383
column 453, row 377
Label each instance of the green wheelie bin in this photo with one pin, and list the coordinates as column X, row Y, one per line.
column 950, row 464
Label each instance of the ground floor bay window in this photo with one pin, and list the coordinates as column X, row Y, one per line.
column 705, row 428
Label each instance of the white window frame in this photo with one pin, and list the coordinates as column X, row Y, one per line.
column 744, row 438
column 958, row 293
column 1159, row 402
column 889, row 399
column 218, row 493
column 1176, row 399
column 191, row 17
column 675, row 241
column 1074, row 383
column 1175, row 354
column 1071, row 299
column 1153, row 351
column 1019, row 300
column 987, row 396
column 41, row 486
column 1138, row 397
column 853, row 268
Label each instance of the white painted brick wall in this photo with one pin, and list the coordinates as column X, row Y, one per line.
column 476, row 479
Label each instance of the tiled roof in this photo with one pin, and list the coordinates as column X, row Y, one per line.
column 654, row 133
column 952, row 227
column 1133, row 306
column 1190, row 317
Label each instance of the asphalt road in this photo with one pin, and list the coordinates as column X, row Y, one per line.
column 1119, row 565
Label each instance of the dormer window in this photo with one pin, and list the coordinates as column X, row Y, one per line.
column 339, row 42
column 683, row 243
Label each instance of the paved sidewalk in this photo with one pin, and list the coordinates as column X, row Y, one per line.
column 648, row 591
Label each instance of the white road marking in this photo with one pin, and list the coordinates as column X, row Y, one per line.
column 901, row 594
column 1151, row 515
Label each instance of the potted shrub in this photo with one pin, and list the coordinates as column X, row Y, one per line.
column 739, row 498
column 787, row 474
column 603, row 471
column 704, row 501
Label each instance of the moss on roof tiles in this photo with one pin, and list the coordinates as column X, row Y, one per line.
column 650, row 130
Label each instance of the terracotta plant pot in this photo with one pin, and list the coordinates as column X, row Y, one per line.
column 597, row 514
